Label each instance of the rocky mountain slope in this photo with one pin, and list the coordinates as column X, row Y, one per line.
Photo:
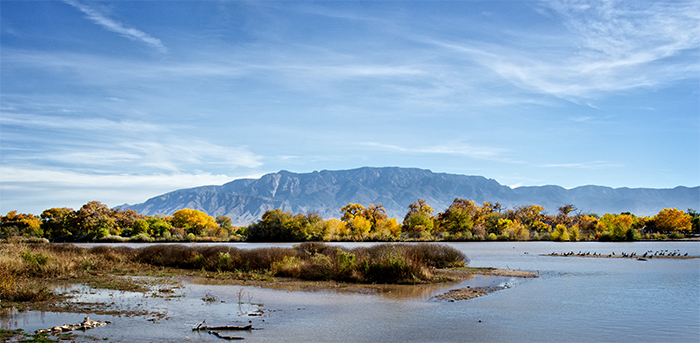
column 325, row 192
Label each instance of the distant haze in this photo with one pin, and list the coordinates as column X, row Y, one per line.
column 325, row 192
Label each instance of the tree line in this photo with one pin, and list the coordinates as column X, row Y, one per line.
column 463, row 220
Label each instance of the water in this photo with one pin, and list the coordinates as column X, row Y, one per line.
column 574, row 300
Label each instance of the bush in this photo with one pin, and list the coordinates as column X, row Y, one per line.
column 319, row 267
column 383, row 263
column 290, row 266
column 676, row 235
column 560, row 233
column 437, row 255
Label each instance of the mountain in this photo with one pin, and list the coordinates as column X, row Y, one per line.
column 325, row 192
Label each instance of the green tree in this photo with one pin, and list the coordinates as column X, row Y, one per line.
column 158, row 226
column 140, row 226
column 275, row 226
column 418, row 219
column 695, row 220
column 55, row 222
column 459, row 217
column 223, row 222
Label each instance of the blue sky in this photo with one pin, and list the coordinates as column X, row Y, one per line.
column 120, row 101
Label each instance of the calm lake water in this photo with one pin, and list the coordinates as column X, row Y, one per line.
column 573, row 300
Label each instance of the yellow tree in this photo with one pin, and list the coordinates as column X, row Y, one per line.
column 336, row 228
column 360, row 227
column 390, row 227
column 376, row 214
column 22, row 223
column 193, row 221
column 351, row 211
column 671, row 219
column 527, row 215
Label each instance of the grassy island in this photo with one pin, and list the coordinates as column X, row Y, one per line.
column 29, row 272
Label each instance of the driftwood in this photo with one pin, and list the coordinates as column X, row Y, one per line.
column 85, row 325
column 224, row 327
column 230, row 338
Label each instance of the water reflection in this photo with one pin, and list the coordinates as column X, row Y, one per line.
column 574, row 299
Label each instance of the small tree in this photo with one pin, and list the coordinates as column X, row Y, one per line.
column 560, row 233
column 193, row 221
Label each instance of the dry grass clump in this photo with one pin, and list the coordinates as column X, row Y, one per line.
column 213, row 258
column 384, row 263
column 437, row 255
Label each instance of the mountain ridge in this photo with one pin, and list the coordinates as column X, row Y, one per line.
column 326, row 191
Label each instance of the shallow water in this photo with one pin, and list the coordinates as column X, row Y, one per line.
column 574, row 300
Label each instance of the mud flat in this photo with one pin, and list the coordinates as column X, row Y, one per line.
column 468, row 293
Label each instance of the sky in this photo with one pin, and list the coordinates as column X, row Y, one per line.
column 121, row 101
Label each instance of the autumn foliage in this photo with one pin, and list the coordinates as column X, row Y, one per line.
column 463, row 220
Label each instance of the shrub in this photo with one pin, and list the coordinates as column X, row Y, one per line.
column 437, row 255
column 394, row 267
column 224, row 260
column 319, row 267
column 141, row 237
column 560, row 233
column 676, row 235
column 345, row 262
column 290, row 266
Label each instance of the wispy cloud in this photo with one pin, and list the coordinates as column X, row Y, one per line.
column 484, row 153
column 115, row 26
column 22, row 186
column 608, row 46
column 169, row 155
column 52, row 122
column 584, row 165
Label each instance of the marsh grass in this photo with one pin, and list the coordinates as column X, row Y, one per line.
column 28, row 271
column 382, row 263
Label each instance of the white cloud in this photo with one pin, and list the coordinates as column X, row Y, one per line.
column 115, row 26
column 610, row 46
column 33, row 190
column 584, row 165
column 484, row 153
column 36, row 121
